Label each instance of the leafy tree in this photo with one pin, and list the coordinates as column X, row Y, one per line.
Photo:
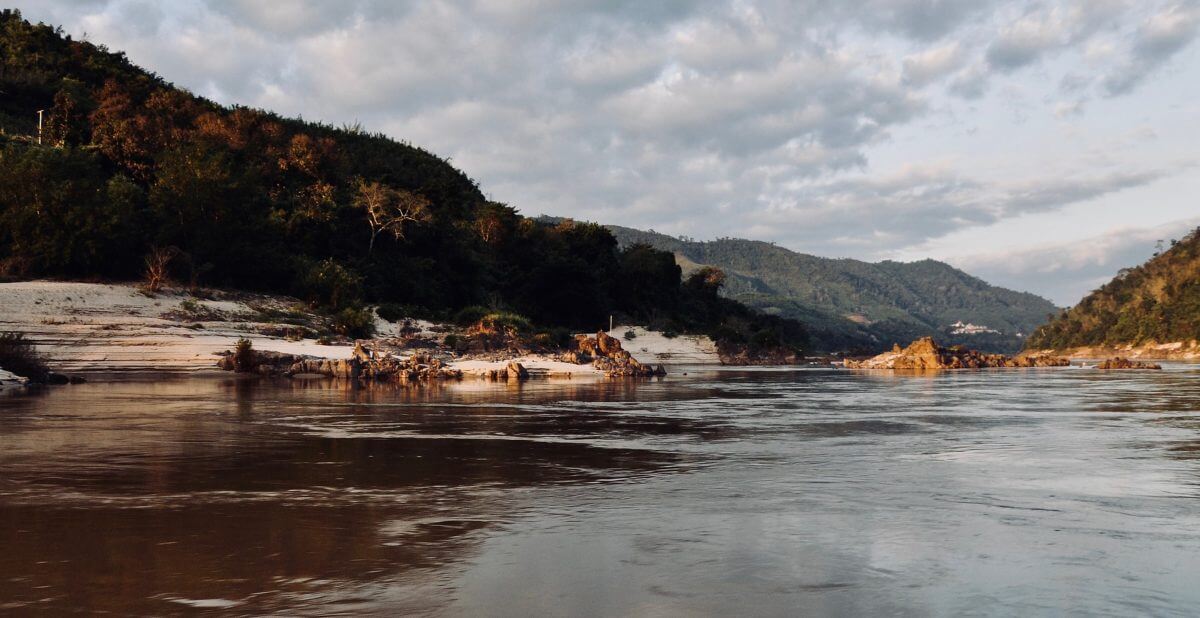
column 261, row 202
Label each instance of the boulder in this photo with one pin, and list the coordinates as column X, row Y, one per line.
column 517, row 371
column 1125, row 363
column 606, row 344
column 586, row 346
column 360, row 353
column 606, row 354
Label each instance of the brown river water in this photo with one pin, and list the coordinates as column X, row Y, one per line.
column 731, row 492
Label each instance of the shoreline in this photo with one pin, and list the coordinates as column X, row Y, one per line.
column 1171, row 351
column 116, row 328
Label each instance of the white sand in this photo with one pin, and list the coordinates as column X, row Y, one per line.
column 89, row 326
column 107, row 327
column 653, row 348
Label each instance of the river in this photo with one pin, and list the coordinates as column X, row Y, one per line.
column 719, row 492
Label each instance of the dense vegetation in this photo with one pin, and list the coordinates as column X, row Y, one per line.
column 132, row 176
column 1157, row 302
column 855, row 305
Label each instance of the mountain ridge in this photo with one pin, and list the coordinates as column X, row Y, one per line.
column 1156, row 302
column 858, row 305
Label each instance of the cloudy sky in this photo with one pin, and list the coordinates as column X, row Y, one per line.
column 1040, row 145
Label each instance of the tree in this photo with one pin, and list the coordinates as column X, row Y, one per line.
column 388, row 209
column 706, row 281
column 158, row 267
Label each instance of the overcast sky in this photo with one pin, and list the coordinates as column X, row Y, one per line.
column 1040, row 145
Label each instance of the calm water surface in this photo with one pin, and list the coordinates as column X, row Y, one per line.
column 721, row 492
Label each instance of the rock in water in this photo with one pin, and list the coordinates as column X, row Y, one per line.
column 925, row 353
column 1125, row 363
column 517, row 371
column 605, row 353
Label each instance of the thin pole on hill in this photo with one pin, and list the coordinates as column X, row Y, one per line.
column 610, row 326
column 40, row 126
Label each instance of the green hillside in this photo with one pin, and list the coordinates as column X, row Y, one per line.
column 851, row 304
column 1157, row 302
column 131, row 175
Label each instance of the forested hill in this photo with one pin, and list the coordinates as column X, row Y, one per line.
column 130, row 170
column 1157, row 302
column 854, row 304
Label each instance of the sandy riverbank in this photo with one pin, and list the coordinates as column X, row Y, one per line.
column 90, row 327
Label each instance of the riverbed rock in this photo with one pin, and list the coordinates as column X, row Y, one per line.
column 605, row 353
column 517, row 371
column 1124, row 363
column 926, row 354
column 363, row 364
column 607, row 345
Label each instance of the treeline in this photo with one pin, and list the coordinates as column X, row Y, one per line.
column 1157, row 302
column 132, row 173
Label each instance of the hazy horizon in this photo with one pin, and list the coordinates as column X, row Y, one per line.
column 1041, row 146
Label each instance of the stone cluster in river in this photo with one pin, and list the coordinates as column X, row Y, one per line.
column 1124, row 363
column 925, row 353
column 605, row 353
column 363, row 364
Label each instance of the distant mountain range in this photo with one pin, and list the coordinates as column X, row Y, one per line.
column 852, row 305
column 1155, row 303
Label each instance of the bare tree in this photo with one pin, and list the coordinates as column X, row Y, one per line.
column 158, row 267
column 389, row 210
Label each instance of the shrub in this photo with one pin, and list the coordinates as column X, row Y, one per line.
column 451, row 341
column 18, row 355
column 630, row 335
column 392, row 312
column 555, row 339
column 244, row 358
column 332, row 285
column 354, row 322
column 471, row 315
column 504, row 319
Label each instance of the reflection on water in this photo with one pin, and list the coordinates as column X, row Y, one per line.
column 749, row 491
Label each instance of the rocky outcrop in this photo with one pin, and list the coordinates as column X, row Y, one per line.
column 606, row 354
column 743, row 355
column 363, row 364
column 925, row 354
column 1125, row 363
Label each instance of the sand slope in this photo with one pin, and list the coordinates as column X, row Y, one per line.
column 89, row 326
column 116, row 327
column 652, row 347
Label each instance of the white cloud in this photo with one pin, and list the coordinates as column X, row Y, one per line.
column 1160, row 37
column 1065, row 272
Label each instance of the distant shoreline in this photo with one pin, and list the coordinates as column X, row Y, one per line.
column 1171, row 351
